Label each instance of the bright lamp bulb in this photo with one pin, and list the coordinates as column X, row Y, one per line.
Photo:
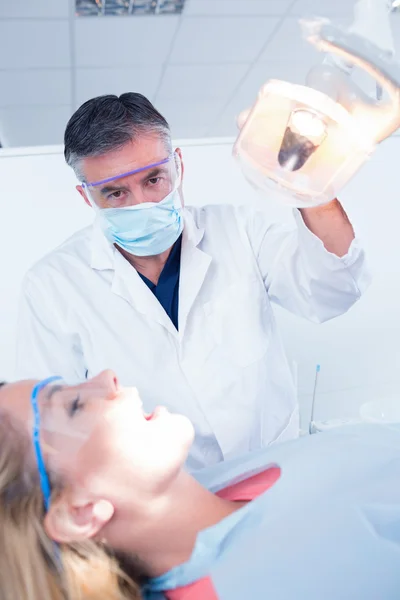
column 308, row 124
column 304, row 133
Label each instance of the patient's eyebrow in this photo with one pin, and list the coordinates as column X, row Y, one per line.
column 53, row 390
column 49, row 397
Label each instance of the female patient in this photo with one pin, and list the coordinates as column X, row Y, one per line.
column 88, row 481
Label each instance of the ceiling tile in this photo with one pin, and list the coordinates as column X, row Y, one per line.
column 189, row 120
column 302, row 52
column 35, row 87
column 123, row 41
column 338, row 8
column 226, row 127
column 396, row 34
column 197, row 82
column 288, row 44
column 194, row 8
column 221, row 40
column 340, row 12
column 25, row 9
column 34, row 126
column 247, row 93
column 34, row 44
column 96, row 82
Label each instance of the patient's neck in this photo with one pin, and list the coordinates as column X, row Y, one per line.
column 162, row 534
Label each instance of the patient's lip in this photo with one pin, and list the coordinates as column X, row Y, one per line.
column 159, row 410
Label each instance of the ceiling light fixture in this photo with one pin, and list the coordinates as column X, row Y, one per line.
column 98, row 8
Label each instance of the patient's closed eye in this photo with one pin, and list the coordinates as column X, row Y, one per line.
column 75, row 406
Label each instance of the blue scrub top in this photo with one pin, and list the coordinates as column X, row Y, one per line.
column 167, row 289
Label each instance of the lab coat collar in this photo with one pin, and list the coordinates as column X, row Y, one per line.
column 127, row 283
column 102, row 253
column 194, row 267
column 192, row 234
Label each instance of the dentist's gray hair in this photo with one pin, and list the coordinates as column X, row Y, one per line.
column 107, row 123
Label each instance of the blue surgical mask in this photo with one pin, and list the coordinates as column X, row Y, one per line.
column 145, row 229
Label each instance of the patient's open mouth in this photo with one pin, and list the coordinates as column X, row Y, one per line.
column 155, row 414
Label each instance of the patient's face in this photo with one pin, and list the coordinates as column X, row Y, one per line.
column 100, row 439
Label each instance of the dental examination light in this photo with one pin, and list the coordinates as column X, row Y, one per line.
column 306, row 142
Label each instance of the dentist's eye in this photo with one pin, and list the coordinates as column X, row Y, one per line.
column 153, row 181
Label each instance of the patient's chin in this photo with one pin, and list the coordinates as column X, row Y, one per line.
column 179, row 439
column 184, row 428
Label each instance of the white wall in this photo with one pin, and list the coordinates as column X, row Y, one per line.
column 359, row 353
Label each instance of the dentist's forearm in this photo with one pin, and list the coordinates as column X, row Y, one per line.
column 331, row 225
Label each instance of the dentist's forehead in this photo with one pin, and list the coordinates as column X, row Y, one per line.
column 143, row 150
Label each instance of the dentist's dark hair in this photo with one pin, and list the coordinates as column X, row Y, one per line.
column 109, row 122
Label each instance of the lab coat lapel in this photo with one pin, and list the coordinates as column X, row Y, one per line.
column 194, row 267
column 129, row 285
column 126, row 282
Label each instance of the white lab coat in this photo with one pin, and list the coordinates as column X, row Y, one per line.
column 84, row 309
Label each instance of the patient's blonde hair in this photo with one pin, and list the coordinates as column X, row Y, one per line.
column 29, row 567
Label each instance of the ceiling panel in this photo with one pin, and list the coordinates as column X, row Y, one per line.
column 25, row 9
column 289, row 45
column 189, row 120
column 329, row 8
column 35, row 87
column 34, row 126
column 221, row 40
column 200, row 82
column 96, row 82
column 225, row 126
column 123, row 41
column 396, row 34
column 236, row 7
column 34, row 44
column 246, row 95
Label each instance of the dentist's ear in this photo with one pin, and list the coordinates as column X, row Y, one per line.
column 80, row 189
column 182, row 167
column 75, row 519
column 178, row 152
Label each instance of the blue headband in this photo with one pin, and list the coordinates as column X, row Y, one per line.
column 44, row 479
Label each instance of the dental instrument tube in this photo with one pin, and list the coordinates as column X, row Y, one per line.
column 317, row 370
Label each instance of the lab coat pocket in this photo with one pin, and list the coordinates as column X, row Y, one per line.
column 240, row 321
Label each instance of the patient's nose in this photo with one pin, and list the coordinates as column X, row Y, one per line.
column 108, row 382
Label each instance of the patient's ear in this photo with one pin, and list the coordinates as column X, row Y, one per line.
column 73, row 518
